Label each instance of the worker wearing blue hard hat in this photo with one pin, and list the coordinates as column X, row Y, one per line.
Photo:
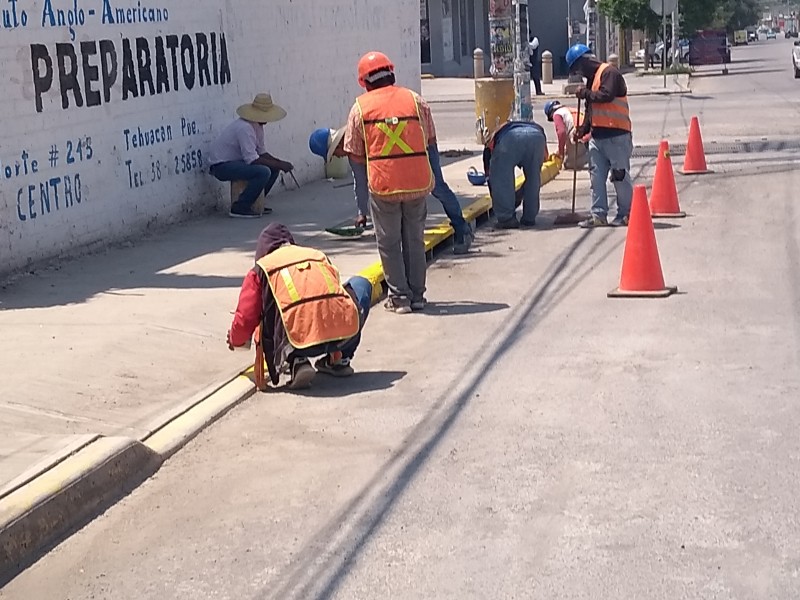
column 566, row 121
column 328, row 143
column 608, row 120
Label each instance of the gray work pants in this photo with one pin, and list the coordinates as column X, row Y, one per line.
column 400, row 233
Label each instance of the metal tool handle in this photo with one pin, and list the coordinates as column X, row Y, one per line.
column 575, row 159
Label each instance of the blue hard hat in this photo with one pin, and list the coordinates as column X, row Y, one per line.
column 318, row 142
column 549, row 107
column 574, row 53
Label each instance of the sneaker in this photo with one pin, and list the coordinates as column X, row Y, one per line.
column 462, row 246
column 397, row 304
column 620, row 222
column 511, row 223
column 593, row 222
column 340, row 368
column 266, row 210
column 418, row 305
column 302, row 374
column 527, row 224
column 244, row 214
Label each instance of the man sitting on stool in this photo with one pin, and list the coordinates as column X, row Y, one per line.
column 238, row 154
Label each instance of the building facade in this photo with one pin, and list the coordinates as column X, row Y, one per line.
column 110, row 106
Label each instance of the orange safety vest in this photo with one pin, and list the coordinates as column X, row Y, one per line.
column 612, row 115
column 397, row 145
column 313, row 304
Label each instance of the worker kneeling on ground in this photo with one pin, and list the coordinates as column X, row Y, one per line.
column 573, row 154
column 608, row 119
column 514, row 144
column 304, row 310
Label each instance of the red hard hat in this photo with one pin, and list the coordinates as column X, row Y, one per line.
column 371, row 63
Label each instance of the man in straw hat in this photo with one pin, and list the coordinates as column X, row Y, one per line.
column 239, row 154
column 329, row 143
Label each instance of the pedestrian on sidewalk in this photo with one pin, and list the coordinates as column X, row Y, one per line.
column 608, row 119
column 514, row 144
column 573, row 154
column 329, row 143
column 304, row 311
column 389, row 131
column 536, row 65
column 239, row 154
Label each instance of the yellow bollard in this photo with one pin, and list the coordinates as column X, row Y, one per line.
column 494, row 101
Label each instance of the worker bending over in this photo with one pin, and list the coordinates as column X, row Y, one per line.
column 514, row 144
column 566, row 120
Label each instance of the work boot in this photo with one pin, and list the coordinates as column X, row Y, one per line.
column 511, row 223
column 620, row 222
column 398, row 305
column 335, row 368
column 302, row 374
column 462, row 246
column 593, row 222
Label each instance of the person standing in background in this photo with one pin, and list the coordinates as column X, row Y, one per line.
column 536, row 65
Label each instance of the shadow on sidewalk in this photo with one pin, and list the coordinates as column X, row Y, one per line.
column 466, row 307
column 361, row 382
column 318, row 569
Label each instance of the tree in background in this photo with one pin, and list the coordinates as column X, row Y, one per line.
column 733, row 15
column 695, row 14
column 631, row 14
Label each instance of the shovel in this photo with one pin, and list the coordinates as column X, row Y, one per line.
column 573, row 218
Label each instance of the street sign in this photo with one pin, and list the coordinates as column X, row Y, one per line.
column 666, row 5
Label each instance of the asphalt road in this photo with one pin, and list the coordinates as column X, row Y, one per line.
column 527, row 437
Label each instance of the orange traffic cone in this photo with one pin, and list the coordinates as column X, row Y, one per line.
column 641, row 267
column 664, row 198
column 695, row 161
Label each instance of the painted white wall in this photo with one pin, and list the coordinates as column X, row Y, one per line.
column 304, row 52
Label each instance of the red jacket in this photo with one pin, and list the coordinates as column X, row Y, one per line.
column 248, row 311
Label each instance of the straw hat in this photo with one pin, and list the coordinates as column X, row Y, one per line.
column 261, row 110
column 336, row 137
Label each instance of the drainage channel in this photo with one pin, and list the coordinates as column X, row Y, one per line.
column 755, row 147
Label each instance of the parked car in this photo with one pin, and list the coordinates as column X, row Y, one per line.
column 682, row 54
column 791, row 34
column 796, row 59
column 771, row 35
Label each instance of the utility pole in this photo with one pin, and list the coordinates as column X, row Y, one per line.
column 676, row 24
column 523, row 106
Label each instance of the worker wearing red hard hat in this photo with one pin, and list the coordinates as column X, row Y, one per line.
column 389, row 130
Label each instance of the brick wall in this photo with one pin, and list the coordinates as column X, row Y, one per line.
column 75, row 81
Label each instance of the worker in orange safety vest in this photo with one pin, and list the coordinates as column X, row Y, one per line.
column 294, row 293
column 608, row 119
column 389, row 129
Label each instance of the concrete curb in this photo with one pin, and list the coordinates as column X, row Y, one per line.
column 463, row 99
column 67, row 490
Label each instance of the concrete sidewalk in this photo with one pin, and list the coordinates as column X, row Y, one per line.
column 106, row 343
column 454, row 89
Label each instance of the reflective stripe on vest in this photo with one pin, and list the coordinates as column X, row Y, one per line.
column 611, row 115
column 396, row 143
column 313, row 305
